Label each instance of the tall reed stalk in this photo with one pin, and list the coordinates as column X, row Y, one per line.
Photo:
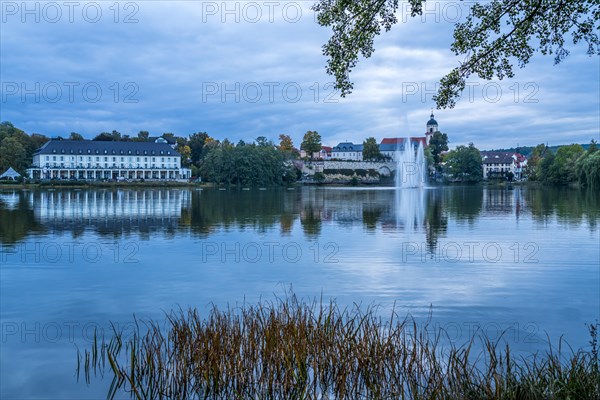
column 289, row 349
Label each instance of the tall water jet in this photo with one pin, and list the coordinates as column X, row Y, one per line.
column 410, row 174
column 410, row 165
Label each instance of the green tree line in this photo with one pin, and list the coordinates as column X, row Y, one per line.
column 255, row 164
column 17, row 147
column 568, row 165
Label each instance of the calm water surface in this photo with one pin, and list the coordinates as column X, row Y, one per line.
column 522, row 261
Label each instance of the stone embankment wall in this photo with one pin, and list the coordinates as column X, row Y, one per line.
column 382, row 169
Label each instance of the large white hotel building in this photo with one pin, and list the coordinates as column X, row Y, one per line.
column 96, row 160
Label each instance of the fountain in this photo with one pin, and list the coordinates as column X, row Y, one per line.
column 410, row 174
column 410, row 166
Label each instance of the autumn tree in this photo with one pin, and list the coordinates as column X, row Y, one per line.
column 197, row 142
column 286, row 143
column 495, row 35
column 184, row 149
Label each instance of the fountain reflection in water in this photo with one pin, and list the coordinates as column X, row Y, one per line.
column 410, row 180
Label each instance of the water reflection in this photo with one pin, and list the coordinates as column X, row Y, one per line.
column 116, row 213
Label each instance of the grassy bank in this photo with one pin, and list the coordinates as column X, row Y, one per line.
column 290, row 349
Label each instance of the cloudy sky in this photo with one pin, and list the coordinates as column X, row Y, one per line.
column 240, row 70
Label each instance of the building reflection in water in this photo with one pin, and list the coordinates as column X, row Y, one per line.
column 113, row 213
column 110, row 211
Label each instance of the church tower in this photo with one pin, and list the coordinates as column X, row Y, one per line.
column 432, row 127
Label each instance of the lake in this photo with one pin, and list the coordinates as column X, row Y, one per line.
column 519, row 261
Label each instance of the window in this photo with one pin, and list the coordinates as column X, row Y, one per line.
column 53, row 158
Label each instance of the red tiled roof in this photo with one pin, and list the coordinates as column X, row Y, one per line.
column 392, row 140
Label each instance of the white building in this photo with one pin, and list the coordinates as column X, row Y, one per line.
column 496, row 164
column 348, row 151
column 96, row 160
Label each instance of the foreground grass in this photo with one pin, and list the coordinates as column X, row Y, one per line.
column 290, row 349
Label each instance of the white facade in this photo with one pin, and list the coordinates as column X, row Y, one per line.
column 347, row 151
column 497, row 163
column 89, row 160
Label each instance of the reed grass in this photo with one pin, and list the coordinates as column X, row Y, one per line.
column 291, row 349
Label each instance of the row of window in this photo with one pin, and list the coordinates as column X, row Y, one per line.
column 112, row 152
column 107, row 165
column 114, row 159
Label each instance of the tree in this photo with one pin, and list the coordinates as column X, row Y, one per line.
column 588, row 167
column 196, row 142
column 13, row 154
column 75, row 136
column 559, row 168
column 465, row 164
column 494, row 35
column 285, row 143
column 104, row 137
column 263, row 141
column 311, row 143
column 438, row 144
column 245, row 165
column 533, row 163
column 371, row 150
column 142, row 136
column 184, row 149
